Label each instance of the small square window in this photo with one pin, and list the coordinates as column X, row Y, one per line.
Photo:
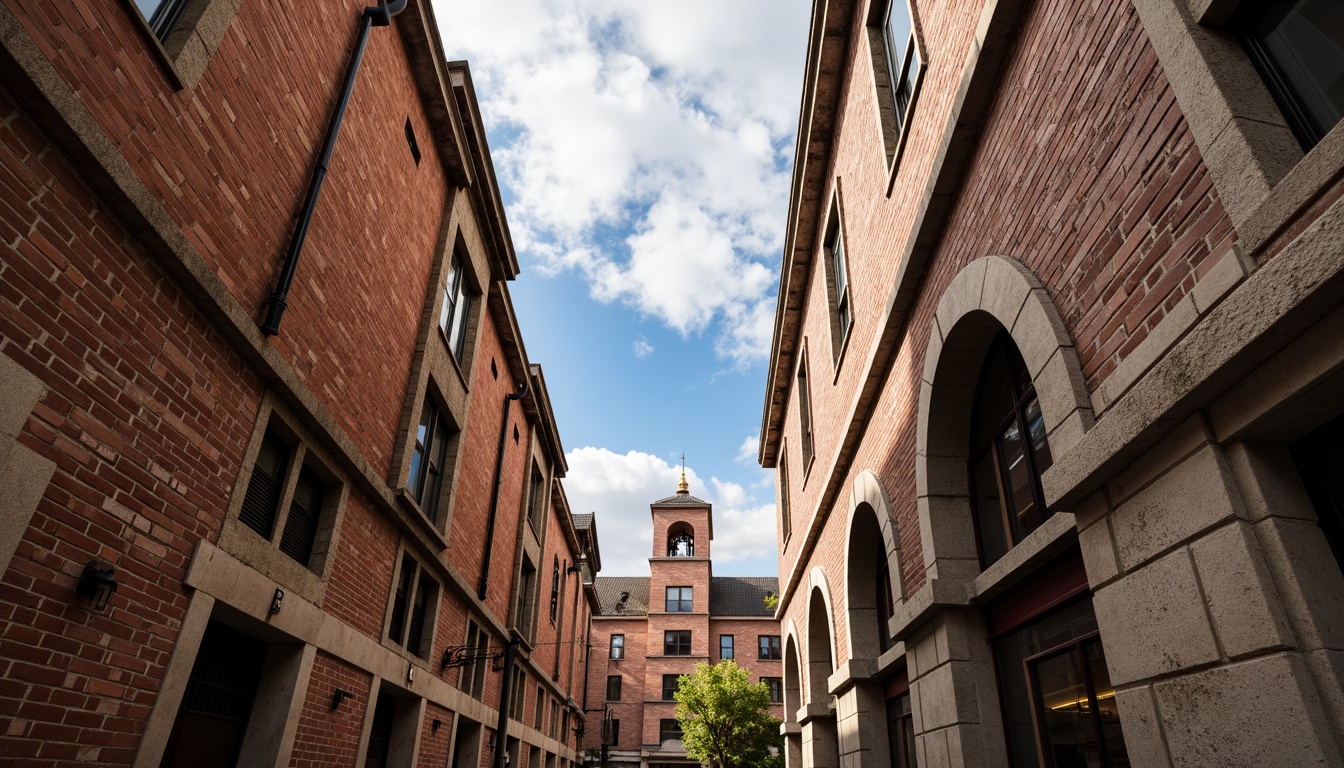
column 679, row 600
column 768, row 648
column 677, row 642
column 669, row 730
column 618, row 646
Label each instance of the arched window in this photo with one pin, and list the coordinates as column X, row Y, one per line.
column 1008, row 453
column 680, row 540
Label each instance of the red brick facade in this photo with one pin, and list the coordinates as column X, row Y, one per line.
column 147, row 196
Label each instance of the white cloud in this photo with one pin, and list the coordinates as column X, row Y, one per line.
column 620, row 487
column 642, row 347
column 748, row 450
column 648, row 147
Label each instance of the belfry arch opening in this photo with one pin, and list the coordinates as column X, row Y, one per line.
column 680, row 540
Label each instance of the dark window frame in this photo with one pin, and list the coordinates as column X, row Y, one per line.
column 732, row 651
column 898, row 72
column 684, row 602
column 433, row 436
column 775, row 687
column 614, row 683
column 677, row 642
column 805, row 412
column 669, row 729
column 616, row 647
column 669, row 693
column 455, row 311
column 768, row 647
column 413, row 610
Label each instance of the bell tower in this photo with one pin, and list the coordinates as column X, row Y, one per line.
column 679, row 579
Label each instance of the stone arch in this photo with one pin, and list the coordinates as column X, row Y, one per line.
column 820, row 646
column 681, row 539
column 990, row 294
column 793, row 676
column 870, row 534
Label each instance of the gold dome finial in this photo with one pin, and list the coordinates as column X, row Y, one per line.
column 682, row 488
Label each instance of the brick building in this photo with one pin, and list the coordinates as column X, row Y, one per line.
column 336, row 541
column 649, row 630
column 1054, row 398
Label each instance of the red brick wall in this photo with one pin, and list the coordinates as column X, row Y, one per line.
column 145, row 414
column 231, row 159
column 327, row 736
column 629, row 710
column 434, row 745
column 1085, row 171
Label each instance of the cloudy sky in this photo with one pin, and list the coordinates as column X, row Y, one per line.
column 644, row 149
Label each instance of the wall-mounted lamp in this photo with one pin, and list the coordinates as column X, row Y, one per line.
column 96, row 585
column 491, row 745
column 434, row 726
column 577, row 567
column 339, row 695
column 276, row 600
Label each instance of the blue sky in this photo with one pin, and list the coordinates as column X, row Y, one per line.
column 644, row 151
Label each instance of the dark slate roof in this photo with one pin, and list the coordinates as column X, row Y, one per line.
column 683, row 499
column 741, row 595
column 728, row 595
column 583, row 519
column 610, row 588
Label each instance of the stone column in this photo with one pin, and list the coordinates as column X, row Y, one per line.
column 819, row 745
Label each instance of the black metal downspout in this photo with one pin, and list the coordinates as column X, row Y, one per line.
column 502, row 725
column 375, row 16
column 484, row 581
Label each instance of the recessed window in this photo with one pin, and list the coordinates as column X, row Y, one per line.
column 456, row 310
column 411, row 142
column 901, row 731
column 768, row 647
column 427, row 463
column 1298, row 48
column 298, row 517
column 162, row 15
column 677, row 642
column 537, row 715
column 1008, row 452
column 536, row 497
column 617, row 648
column 526, row 599
column 896, row 70
column 1057, row 692
column 1320, row 461
column 725, row 647
column 669, row 730
column 670, row 687
column 679, row 600
column 805, row 413
column 612, row 732
column 837, row 281
column 519, row 698
column 472, row 681
column 411, row 622
column 775, row 685
column 555, row 591
column 613, row 687
column 782, row 479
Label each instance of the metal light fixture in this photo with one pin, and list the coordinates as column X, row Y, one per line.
column 577, row 567
column 96, row 585
column 276, row 600
column 338, row 695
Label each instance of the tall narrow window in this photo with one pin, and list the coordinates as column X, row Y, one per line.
column 304, row 512
column 805, row 413
column 1298, row 48
column 538, row 716
column 901, row 731
column 886, row 606
column 431, row 447
column 411, row 623
column 896, row 69
column 456, row 308
column 725, row 647
column 262, row 498
column 837, row 274
column 617, row 650
column 775, row 685
column 782, row 475
column 536, row 497
column 670, row 687
column 613, row 687
column 472, row 680
column 1008, row 452
column 526, row 600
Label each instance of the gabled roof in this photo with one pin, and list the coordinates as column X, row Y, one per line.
column 728, row 595
column 681, row 499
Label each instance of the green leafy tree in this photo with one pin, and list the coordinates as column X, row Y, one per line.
column 725, row 718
